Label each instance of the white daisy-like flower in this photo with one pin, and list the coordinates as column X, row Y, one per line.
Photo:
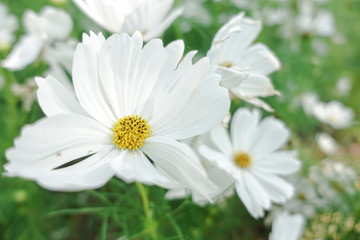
column 334, row 113
column 150, row 17
column 253, row 159
column 287, row 227
column 46, row 33
column 326, row 143
column 304, row 201
column 244, row 67
column 8, row 25
column 131, row 105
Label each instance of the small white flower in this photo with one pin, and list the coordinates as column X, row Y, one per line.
column 131, row 105
column 45, row 32
column 326, row 143
column 244, row 67
column 26, row 91
column 251, row 157
column 315, row 21
column 308, row 101
column 334, row 113
column 287, row 227
column 343, row 86
column 304, row 201
column 333, row 179
column 8, row 25
column 150, row 17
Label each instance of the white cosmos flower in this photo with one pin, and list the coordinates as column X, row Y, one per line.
column 244, row 67
column 253, row 159
column 343, row 86
column 334, row 113
column 8, row 25
column 45, row 33
column 131, row 104
column 288, row 227
column 150, row 17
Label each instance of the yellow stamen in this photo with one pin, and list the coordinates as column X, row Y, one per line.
column 130, row 132
column 227, row 64
column 242, row 159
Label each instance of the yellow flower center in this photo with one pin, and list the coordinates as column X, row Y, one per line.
column 130, row 132
column 242, row 159
column 227, row 64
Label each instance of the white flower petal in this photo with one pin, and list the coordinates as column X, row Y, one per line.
column 91, row 173
column 243, row 129
column 260, row 58
column 54, row 98
column 256, row 191
column 180, row 162
column 277, row 188
column 221, row 138
column 283, row 162
column 25, row 52
column 200, row 93
column 220, row 160
column 287, row 227
column 231, row 77
column 160, row 28
column 255, row 85
column 271, row 134
column 243, row 192
column 133, row 166
column 52, row 135
column 87, row 86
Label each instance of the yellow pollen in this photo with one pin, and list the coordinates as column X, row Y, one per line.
column 227, row 64
column 130, row 132
column 301, row 197
column 242, row 159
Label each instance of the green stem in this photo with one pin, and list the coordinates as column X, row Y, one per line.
column 150, row 223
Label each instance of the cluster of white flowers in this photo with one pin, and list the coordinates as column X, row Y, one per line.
column 8, row 25
column 132, row 107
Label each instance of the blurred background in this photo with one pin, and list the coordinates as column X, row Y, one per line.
column 317, row 42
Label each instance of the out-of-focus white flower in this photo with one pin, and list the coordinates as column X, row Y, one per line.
column 315, row 21
column 244, row 67
column 333, row 179
column 251, row 157
column 343, row 86
column 275, row 16
column 320, row 47
column 150, row 17
column 194, row 11
column 26, row 91
column 308, row 100
column 131, row 104
column 304, row 201
column 326, row 143
column 8, row 25
column 46, row 33
column 287, row 227
column 334, row 113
